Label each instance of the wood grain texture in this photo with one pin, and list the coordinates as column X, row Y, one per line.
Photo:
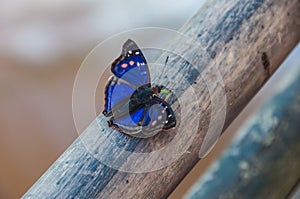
column 263, row 161
column 245, row 40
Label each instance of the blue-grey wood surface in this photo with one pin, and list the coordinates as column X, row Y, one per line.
column 246, row 40
column 263, row 160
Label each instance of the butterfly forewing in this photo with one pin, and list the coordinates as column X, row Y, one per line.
column 131, row 65
column 116, row 93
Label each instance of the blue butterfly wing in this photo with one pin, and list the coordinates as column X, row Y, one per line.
column 131, row 65
column 158, row 116
column 117, row 93
column 130, row 123
column 150, row 118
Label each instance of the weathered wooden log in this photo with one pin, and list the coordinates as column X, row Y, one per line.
column 246, row 41
column 263, row 160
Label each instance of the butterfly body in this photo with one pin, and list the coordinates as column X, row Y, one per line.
column 143, row 95
column 131, row 102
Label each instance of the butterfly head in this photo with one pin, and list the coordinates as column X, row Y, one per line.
column 157, row 89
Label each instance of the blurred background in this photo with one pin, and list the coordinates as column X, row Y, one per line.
column 42, row 44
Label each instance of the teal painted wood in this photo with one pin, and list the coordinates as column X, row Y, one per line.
column 263, row 160
column 231, row 33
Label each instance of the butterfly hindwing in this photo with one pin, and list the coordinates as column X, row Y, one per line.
column 156, row 116
column 130, row 122
column 131, row 65
column 159, row 115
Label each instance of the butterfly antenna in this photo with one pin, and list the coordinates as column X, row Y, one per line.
column 163, row 70
column 165, row 90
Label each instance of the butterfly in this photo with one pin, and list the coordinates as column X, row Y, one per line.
column 131, row 103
